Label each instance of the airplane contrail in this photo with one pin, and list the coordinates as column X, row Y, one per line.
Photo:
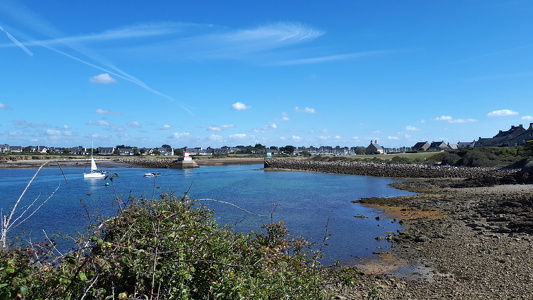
column 14, row 40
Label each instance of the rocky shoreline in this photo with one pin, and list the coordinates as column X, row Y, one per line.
column 467, row 235
column 479, row 248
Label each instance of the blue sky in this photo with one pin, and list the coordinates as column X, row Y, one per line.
column 302, row 73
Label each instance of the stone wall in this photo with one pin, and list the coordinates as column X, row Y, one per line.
column 386, row 169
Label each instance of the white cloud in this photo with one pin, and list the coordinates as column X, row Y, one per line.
column 296, row 138
column 134, row 124
column 27, row 123
column 269, row 126
column 178, row 135
column 240, row 106
column 53, row 132
column 215, row 138
column 165, row 127
column 327, row 138
column 337, row 57
column 284, row 118
column 104, row 78
column 214, row 128
column 238, row 136
column 2, row 106
column 220, row 128
column 444, row 118
column 305, row 110
column 99, row 123
column 394, row 138
column 463, row 121
column 502, row 113
column 411, row 128
column 107, row 112
column 452, row 120
column 527, row 118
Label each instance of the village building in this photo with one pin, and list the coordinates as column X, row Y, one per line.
column 438, row 146
column 421, row 146
column 106, row 150
column 515, row 136
column 374, row 148
column 461, row 145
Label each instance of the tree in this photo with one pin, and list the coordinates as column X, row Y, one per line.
column 360, row 150
column 528, row 147
column 288, row 149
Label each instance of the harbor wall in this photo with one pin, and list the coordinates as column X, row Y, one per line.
column 386, row 169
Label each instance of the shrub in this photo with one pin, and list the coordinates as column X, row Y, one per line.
column 170, row 248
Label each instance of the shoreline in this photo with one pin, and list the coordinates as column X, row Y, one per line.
column 122, row 162
column 460, row 241
column 475, row 243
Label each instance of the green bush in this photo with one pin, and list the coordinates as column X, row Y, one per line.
column 170, row 248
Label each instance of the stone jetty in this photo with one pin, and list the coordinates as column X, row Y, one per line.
column 160, row 163
column 387, row 169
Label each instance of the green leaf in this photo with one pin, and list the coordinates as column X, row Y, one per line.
column 82, row 276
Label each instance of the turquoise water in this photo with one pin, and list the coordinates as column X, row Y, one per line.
column 306, row 202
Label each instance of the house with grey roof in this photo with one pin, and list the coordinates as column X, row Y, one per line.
column 515, row 136
column 374, row 148
column 438, row 146
column 106, row 150
column 126, row 151
column 461, row 145
column 421, row 146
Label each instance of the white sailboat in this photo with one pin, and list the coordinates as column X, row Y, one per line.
column 94, row 169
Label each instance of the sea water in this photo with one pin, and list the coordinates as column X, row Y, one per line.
column 312, row 205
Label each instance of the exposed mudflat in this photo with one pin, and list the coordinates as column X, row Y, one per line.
column 465, row 243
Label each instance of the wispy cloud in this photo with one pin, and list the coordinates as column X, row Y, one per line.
column 25, row 123
column 329, row 58
column 78, row 53
column 107, row 112
column 527, row 118
column 3, row 106
column 16, row 42
column 179, row 135
column 412, row 128
column 238, row 137
column 134, row 124
column 99, row 123
column 266, row 127
column 240, row 106
column 220, row 128
column 450, row 119
column 284, row 118
column 103, row 78
column 502, row 113
column 502, row 76
column 305, row 110
column 136, row 31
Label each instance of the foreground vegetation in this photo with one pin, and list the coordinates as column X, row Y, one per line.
column 169, row 248
column 472, row 157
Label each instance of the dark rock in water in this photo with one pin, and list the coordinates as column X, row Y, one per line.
column 526, row 174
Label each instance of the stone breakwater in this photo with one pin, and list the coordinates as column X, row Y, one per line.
column 160, row 163
column 386, row 169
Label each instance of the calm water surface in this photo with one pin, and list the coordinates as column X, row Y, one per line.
column 304, row 201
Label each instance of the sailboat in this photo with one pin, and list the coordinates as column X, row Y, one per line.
column 94, row 169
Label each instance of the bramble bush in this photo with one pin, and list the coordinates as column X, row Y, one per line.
column 170, row 248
